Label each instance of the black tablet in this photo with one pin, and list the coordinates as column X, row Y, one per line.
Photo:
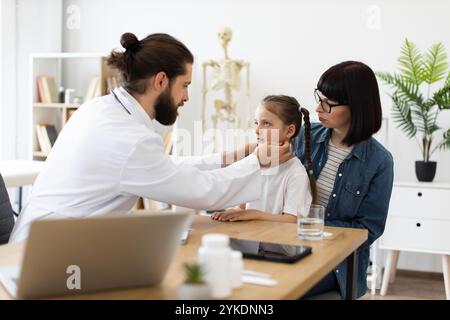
column 277, row 252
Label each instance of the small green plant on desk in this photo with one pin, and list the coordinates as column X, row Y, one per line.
column 194, row 286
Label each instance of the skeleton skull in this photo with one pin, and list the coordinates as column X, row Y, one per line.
column 225, row 35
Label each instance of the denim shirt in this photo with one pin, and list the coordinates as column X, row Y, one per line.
column 360, row 196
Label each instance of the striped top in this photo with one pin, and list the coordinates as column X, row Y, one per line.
column 325, row 182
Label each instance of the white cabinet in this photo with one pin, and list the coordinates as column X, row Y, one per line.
column 418, row 221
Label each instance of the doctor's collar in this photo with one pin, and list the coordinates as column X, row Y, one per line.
column 117, row 98
column 133, row 107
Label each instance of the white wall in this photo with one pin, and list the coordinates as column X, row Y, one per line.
column 39, row 29
column 7, row 79
column 26, row 26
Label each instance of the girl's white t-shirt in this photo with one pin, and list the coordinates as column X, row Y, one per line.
column 285, row 189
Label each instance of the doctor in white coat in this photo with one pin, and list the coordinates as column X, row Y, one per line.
column 108, row 154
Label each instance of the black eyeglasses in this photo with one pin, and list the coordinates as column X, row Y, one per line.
column 326, row 106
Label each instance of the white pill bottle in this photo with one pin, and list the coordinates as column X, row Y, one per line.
column 214, row 256
column 237, row 266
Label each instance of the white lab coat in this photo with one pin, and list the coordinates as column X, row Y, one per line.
column 105, row 158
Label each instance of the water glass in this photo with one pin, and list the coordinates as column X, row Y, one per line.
column 310, row 226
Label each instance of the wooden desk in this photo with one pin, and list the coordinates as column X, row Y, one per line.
column 294, row 280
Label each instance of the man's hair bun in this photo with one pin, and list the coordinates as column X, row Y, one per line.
column 129, row 41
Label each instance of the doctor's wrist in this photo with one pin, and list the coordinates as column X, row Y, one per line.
column 238, row 154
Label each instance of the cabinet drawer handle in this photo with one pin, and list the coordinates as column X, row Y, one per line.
column 419, row 194
column 418, row 224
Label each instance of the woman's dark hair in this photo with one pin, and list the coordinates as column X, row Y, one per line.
column 354, row 84
column 142, row 59
column 290, row 112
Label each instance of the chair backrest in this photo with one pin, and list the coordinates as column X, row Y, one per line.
column 6, row 213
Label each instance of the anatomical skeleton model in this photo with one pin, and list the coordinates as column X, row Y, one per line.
column 225, row 76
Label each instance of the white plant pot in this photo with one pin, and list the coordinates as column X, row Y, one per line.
column 189, row 291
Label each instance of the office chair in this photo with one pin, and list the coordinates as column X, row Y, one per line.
column 6, row 214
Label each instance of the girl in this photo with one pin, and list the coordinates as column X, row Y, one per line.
column 286, row 190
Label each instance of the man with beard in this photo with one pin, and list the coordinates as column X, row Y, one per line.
column 108, row 154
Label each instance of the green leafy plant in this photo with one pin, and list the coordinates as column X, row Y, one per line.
column 193, row 273
column 415, row 113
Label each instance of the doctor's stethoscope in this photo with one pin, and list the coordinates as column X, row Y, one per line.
column 117, row 98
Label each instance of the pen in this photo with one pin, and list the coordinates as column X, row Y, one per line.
column 255, row 273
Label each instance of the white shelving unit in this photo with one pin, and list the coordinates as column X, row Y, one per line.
column 70, row 70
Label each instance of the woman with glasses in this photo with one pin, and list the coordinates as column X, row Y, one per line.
column 354, row 172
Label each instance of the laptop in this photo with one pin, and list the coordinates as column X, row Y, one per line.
column 72, row 256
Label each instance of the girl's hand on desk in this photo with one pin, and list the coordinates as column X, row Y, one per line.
column 235, row 215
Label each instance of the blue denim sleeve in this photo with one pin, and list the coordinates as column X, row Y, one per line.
column 373, row 211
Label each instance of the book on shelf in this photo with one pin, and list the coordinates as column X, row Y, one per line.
column 47, row 91
column 40, row 90
column 52, row 135
column 70, row 113
column 46, row 136
column 43, row 93
column 41, row 137
column 54, row 93
column 93, row 89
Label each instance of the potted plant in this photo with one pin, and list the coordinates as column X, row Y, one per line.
column 414, row 107
column 194, row 287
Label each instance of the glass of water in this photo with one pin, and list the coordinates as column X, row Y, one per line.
column 310, row 226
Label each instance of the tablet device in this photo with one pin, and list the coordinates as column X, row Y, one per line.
column 277, row 252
